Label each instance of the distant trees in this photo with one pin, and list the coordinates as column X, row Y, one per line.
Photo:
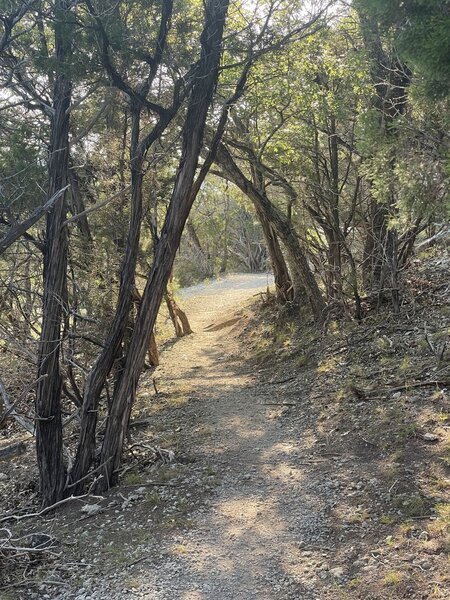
column 222, row 234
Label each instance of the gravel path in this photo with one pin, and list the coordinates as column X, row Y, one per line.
column 249, row 541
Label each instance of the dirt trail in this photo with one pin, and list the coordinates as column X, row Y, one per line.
column 249, row 541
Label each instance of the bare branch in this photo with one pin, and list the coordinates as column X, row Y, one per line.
column 18, row 230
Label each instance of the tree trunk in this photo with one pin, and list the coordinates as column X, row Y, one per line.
column 335, row 248
column 177, row 316
column 226, row 219
column 283, row 283
column 152, row 350
column 202, row 256
column 49, row 443
column 153, row 354
column 138, row 151
column 391, row 81
column 177, row 214
column 302, row 276
column 78, row 205
column 372, row 256
column 112, row 347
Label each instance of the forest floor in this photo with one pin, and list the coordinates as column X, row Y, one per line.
column 268, row 461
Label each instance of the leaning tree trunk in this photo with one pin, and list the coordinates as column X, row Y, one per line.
column 138, row 150
column 180, row 205
column 112, row 347
column 152, row 350
column 302, row 276
column 283, row 283
column 49, row 442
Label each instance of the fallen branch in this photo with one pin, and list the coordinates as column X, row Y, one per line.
column 141, row 422
column 368, row 442
column 30, row 582
column 381, row 393
column 418, row 384
column 279, row 381
column 151, row 484
column 71, row 485
column 10, row 410
column 7, row 412
column 138, row 560
column 16, row 231
column 48, row 509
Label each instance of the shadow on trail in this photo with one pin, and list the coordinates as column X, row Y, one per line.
column 249, row 540
column 305, row 500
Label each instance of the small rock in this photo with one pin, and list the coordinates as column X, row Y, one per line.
column 3, row 476
column 337, row 572
column 91, row 509
column 430, row 437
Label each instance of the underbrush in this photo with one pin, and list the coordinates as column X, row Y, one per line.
column 379, row 394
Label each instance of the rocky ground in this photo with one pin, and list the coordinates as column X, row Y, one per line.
column 267, row 461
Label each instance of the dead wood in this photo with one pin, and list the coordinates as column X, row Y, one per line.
column 46, row 510
column 379, row 393
column 418, row 384
column 18, row 230
column 141, row 422
column 279, row 403
column 280, row 381
column 10, row 407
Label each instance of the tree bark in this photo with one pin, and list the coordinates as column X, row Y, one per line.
column 112, row 347
column 302, row 276
column 78, row 207
column 283, row 283
column 153, row 354
column 49, row 444
column 177, row 316
column 181, row 202
column 391, row 80
column 152, row 350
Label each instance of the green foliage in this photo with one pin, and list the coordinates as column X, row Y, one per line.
column 420, row 30
column 22, row 169
column 230, row 237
